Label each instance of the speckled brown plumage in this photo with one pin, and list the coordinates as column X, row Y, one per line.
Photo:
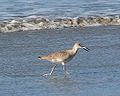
column 62, row 57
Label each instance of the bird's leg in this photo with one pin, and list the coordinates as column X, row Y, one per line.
column 49, row 74
column 64, row 68
column 53, row 69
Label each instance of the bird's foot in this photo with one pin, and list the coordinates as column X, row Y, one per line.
column 67, row 73
column 47, row 74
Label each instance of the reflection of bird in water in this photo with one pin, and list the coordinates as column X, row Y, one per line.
column 62, row 57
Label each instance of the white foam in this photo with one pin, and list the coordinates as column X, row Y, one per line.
column 43, row 23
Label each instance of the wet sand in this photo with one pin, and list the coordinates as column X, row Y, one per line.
column 93, row 73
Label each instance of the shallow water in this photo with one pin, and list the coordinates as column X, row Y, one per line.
column 93, row 73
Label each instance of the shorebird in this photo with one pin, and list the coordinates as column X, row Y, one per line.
column 62, row 57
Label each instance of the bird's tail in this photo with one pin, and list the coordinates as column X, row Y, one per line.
column 40, row 57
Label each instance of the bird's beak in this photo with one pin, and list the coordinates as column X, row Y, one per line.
column 85, row 48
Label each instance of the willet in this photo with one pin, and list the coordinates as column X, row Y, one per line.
column 62, row 57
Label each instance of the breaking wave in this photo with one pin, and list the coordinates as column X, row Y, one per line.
column 46, row 23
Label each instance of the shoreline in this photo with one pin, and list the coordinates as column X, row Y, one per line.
column 56, row 23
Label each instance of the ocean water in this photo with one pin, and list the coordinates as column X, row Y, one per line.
column 93, row 73
column 22, row 15
column 54, row 8
column 32, row 28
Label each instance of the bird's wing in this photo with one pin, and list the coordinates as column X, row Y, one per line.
column 60, row 54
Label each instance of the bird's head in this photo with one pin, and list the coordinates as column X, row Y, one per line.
column 78, row 45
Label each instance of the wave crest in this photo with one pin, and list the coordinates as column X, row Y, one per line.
column 45, row 23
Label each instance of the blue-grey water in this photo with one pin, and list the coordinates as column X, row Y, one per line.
column 26, row 15
column 93, row 73
column 11, row 9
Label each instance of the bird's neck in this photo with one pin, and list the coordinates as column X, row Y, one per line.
column 74, row 49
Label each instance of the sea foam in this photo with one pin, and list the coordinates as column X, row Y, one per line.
column 46, row 23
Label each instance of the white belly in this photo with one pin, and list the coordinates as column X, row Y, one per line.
column 60, row 60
